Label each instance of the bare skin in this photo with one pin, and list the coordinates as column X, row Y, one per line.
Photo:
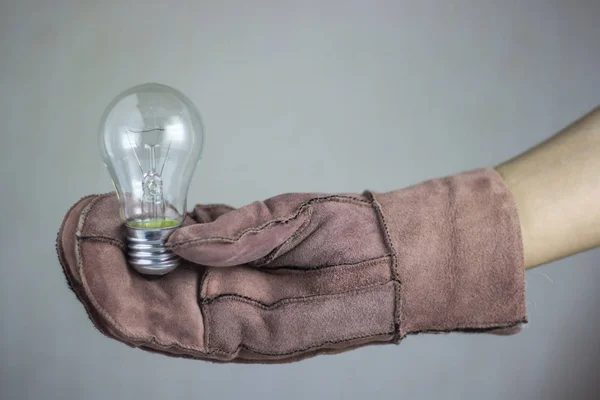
column 556, row 186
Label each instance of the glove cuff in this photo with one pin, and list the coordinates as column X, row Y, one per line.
column 458, row 254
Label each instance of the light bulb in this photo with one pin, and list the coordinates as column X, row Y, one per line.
column 151, row 139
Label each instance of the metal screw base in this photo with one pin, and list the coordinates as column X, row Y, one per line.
column 147, row 252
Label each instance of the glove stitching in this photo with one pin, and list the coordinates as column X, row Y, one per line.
column 277, row 251
column 302, row 350
column 207, row 323
column 215, row 205
column 301, row 229
column 106, row 239
column 304, row 270
column 284, row 302
column 483, row 328
column 74, row 286
column 282, row 220
column 398, row 315
column 293, row 300
column 313, row 271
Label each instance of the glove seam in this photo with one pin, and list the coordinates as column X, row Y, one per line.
column 207, row 323
column 214, row 205
column 277, row 251
column 479, row 327
column 298, row 271
column 63, row 262
column 58, row 243
column 291, row 300
column 302, row 350
column 398, row 316
column 281, row 220
column 105, row 239
column 301, row 229
column 369, row 261
column 84, row 215
column 295, row 301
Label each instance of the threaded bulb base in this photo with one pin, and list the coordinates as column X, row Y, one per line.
column 147, row 252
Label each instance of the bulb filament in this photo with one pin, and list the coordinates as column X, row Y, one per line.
column 153, row 205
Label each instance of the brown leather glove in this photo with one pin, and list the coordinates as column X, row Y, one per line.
column 302, row 274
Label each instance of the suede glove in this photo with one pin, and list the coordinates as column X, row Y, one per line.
column 303, row 274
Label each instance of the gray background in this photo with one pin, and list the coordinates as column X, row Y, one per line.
column 296, row 96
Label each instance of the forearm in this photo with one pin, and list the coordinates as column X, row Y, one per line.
column 556, row 187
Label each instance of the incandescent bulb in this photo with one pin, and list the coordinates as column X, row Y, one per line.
column 151, row 139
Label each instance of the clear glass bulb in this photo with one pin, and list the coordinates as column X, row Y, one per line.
column 151, row 139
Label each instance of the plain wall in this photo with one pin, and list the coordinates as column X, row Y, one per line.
column 329, row 96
